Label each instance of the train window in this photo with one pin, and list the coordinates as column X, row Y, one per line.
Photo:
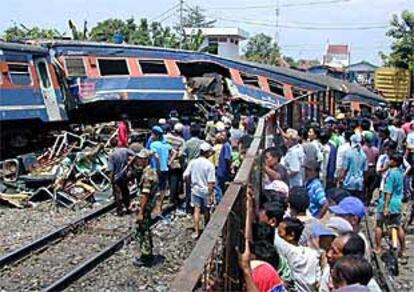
column 44, row 76
column 19, row 74
column 75, row 67
column 276, row 87
column 153, row 67
column 109, row 67
column 249, row 79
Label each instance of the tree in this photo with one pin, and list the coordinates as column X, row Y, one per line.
column 105, row 30
column 22, row 32
column 142, row 36
column 402, row 48
column 193, row 42
column 76, row 34
column 195, row 17
column 260, row 48
column 291, row 61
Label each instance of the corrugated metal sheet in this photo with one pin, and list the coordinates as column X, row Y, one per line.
column 393, row 83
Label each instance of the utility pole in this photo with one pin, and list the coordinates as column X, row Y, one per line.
column 181, row 23
column 277, row 11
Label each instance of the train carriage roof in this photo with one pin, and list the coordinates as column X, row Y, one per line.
column 294, row 77
column 22, row 48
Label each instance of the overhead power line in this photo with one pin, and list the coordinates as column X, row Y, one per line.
column 290, row 26
column 165, row 12
column 311, row 3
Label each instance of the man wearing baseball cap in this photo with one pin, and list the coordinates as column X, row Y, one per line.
column 352, row 210
column 148, row 186
column 202, row 176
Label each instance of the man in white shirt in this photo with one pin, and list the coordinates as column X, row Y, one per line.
column 340, row 155
column 201, row 173
column 303, row 261
column 294, row 158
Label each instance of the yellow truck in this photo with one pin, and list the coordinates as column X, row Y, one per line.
column 394, row 84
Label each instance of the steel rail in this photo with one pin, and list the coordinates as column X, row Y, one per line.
column 60, row 232
column 67, row 279
column 381, row 271
column 88, row 265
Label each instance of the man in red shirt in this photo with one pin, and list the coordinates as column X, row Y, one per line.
column 123, row 132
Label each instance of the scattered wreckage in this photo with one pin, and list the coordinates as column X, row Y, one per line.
column 72, row 173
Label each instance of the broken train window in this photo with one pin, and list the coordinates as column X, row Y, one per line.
column 152, row 67
column 19, row 74
column 249, row 79
column 75, row 67
column 108, row 67
column 276, row 87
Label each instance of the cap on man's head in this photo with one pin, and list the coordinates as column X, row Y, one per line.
column 144, row 154
column 157, row 130
column 178, row 127
column 338, row 225
column 318, row 229
column 162, row 121
column 355, row 139
column 368, row 136
column 278, row 186
column 205, row 147
column 349, row 206
column 311, row 164
column 329, row 120
column 340, row 116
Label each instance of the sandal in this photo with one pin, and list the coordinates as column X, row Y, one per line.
column 403, row 259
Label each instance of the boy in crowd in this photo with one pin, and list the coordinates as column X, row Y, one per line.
column 390, row 203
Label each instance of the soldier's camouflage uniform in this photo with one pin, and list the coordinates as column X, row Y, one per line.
column 148, row 187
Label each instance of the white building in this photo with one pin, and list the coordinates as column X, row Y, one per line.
column 223, row 41
column 337, row 56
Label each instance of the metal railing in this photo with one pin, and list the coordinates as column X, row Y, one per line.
column 213, row 263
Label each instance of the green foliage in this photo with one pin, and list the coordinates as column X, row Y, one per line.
column 291, row 61
column 105, row 30
column 143, row 33
column 402, row 48
column 194, row 17
column 194, row 41
column 76, row 34
column 261, row 48
column 15, row 33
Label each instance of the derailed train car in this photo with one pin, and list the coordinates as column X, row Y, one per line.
column 62, row 82
column 30, row 94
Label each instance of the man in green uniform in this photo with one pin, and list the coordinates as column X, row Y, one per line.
column 148, row 187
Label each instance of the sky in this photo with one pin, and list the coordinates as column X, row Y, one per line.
column 304, row 26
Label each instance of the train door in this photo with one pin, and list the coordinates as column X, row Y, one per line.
column 47, row 89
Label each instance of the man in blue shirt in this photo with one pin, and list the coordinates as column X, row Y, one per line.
column 224, row 167
column 318, row 204
column 390, row 203
column 354, row 167
column 162, row 154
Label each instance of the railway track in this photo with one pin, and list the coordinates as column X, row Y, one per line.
column 57, row 259
column 56, row 265
column 404, row 281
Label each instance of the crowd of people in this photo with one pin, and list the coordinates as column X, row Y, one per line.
column 319, row 182
column 182, row 161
